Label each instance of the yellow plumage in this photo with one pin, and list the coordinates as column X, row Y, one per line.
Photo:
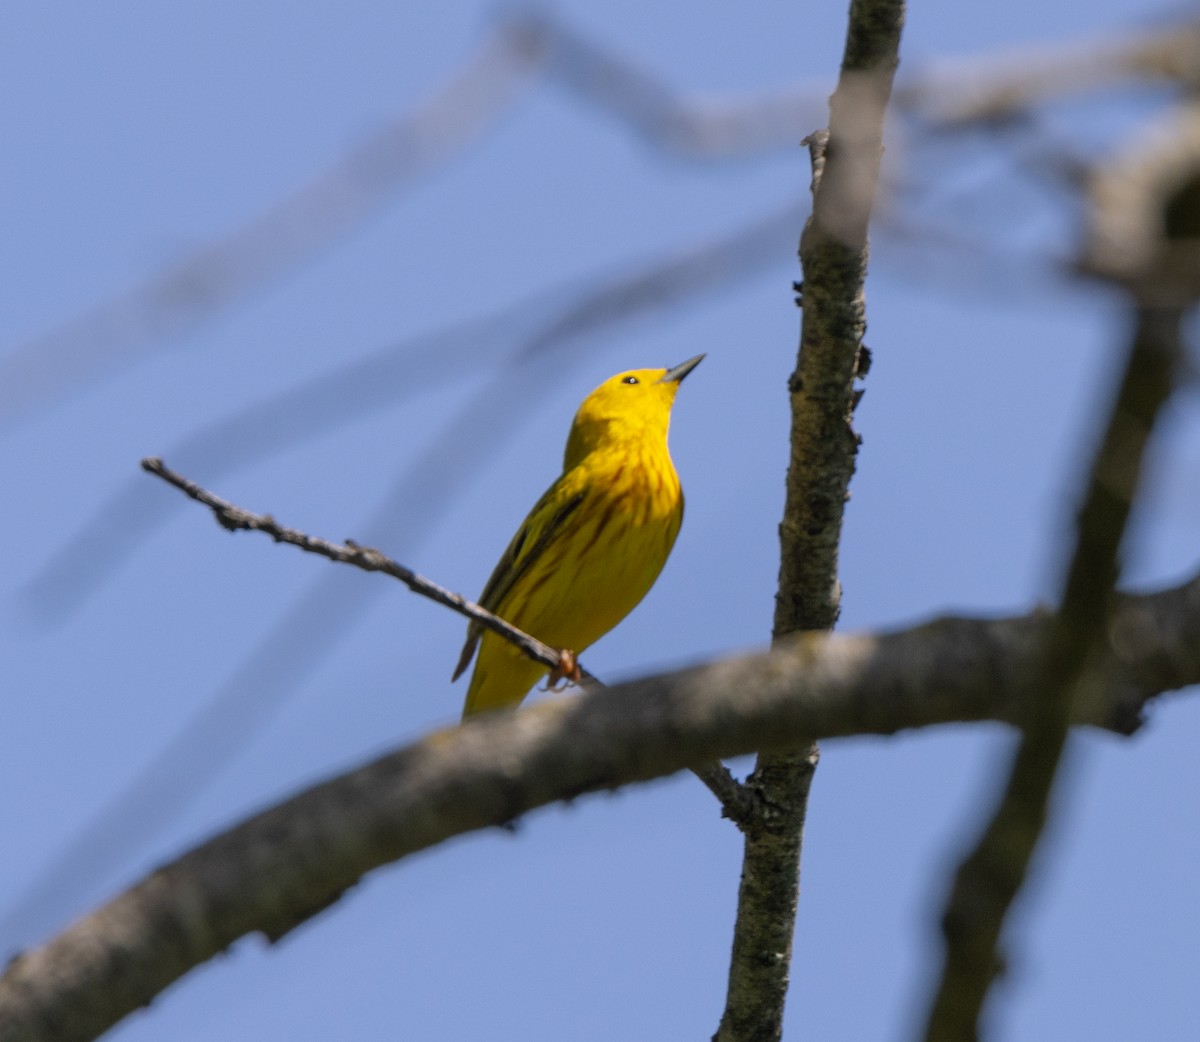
column 593, row 545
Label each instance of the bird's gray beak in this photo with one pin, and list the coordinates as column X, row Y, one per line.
column 680, row 371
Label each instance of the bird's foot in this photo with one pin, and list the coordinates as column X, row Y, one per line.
column 566, row 673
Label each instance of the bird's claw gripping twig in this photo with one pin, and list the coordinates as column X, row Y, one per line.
column 567, row 670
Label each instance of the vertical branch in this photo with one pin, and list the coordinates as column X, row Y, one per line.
column 833, row 255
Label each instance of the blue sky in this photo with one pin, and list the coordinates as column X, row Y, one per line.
column 137, row 132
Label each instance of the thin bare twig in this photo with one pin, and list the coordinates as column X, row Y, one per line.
column 234, row 519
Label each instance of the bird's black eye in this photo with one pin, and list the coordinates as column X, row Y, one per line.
column 630, row 380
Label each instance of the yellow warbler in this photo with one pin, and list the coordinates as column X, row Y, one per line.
column 593, row 545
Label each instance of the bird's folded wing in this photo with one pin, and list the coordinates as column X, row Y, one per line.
column 543, row 525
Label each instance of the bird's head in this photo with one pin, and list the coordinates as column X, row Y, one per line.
column 628, row 407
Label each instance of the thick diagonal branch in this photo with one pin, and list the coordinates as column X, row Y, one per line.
column 278, row 869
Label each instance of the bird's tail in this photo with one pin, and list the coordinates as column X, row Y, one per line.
column 503, row 676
